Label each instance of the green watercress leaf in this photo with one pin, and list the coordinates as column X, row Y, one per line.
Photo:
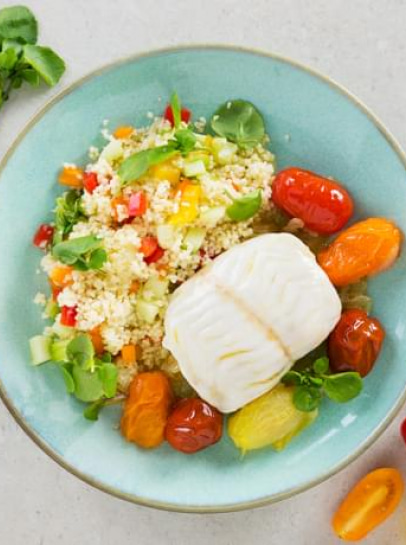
column 88, row 386
column 176, row 110
column 245, row 207
column 321, row 366
column 68, row 378
column 186, row 140
column 315, row 381
column 8, row 59
column 137, row 164
column 68, row 212
column 108, row 374
column 80, row 351
column 83, row 253
column 343, row 387
column 92, row 411
column 18, row 22
column 17, row 45
column 240, row 122
column 293, row 377
column 44, row 61
column 31, row 76
column 306, row 398
column 97, row 259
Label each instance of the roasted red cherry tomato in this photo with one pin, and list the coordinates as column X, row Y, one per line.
column 373, row 499
column 43, row 236
column 366, row 248
column 193, row 425
column 146, row 409
column 185, row 115
column 323, row 205
column 355, row 342
column 90, row 181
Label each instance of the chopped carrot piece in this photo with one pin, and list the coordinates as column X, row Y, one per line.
column 97, row 340
column 72, row 177
column 129, row 354
column 61, row 277
column 135, row 286
column 121, row 133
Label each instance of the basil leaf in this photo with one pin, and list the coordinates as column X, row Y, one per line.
column 88, row 386
column 186, row 140
column 108, row 375
column 8, row 59
column 306, row 398
column 137, row 164
column 44, row 61
column 80, row 351
column 343, row 387
column 92, row 411
column 244, row 208
column 176, row 110
column 68, row 378
column 321, row 366
column 293, row 377
column 240, row 122
column 18, row 22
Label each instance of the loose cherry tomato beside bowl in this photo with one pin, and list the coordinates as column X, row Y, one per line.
column 193, row 425
column 323, row 205
column 355, row 343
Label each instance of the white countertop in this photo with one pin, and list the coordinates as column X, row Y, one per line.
column 361, row 44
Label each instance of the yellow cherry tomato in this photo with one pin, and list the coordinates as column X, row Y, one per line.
column 373, row 499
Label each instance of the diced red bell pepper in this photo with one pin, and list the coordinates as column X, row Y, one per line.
column 68, row 316
column 56, row 290
column 138, row 204
column 156, row 256
column 403, row 430
column 185, row 115
column 43, row 236
column 148, row 246
column 90, row 181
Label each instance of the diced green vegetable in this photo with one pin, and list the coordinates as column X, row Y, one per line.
column 51, row 309
column 146, row 311
column 58, row 350
column 155, row 288
column 213, row 215
column 194, row 168
column 61, row 331
column 40, row 349
column 224, row 151
column 167, row 235
column 113, row 151
column 194, row 239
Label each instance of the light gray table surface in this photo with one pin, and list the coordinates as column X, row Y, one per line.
column 361, row 44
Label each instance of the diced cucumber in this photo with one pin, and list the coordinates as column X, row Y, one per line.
column 113, row 151
column 224, row 151
column 199, row 155
column 40, row 349
column 195, row 168
column 213, row 215
column 146, row 311
column 51, row 309
column 58, row 350
column 194, row 239
column 62, row 331
column 166, row 235
column 155, row 288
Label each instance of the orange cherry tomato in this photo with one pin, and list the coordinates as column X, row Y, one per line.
column 146, row 409
column 368, row 504
column 323, row 205
column 355, row 342
column 193, row 425
column 364, row 249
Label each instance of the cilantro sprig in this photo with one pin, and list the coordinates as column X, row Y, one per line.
column 310, row 385
column 21, row 60
column 82, row 253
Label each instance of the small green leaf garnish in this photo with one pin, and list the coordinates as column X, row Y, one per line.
column 343, row 387
column 108, row 375
column 68, row 212
column 92, row 411
column 306, row 398
column 176, row 110
column 88, row 386
column 321, row 366
column 245, row 207
column 18, row 23
column 293, row 377
column 186, row 140
column 68, row 378
column 45, row 62
column 80, row 351
column 240, row 122
column 137, row 164
column 82, row 253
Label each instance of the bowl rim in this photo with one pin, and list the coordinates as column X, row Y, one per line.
column 168, row 506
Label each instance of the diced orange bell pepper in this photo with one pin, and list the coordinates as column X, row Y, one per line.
column 166, row 171
column 119, row 208
column 97, row 340
column 61, row 277
column 121, row 133
column 129, row 354
column 190, row 195
column 72, row 177
column 135, row 286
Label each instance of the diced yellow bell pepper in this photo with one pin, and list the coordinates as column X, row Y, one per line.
column 166, row 171
column 190, row 195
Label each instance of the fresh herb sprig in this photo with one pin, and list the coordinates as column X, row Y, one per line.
column 239, row 121
column 183, row 142
column 21, row 60
column 82, row 253
column 68, row 212
column 245, row 207
column 89, row 378
column 311, row 384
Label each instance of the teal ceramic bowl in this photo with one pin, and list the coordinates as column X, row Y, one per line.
column 313, row 123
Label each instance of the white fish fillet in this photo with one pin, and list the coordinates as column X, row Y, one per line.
column 238, row 326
